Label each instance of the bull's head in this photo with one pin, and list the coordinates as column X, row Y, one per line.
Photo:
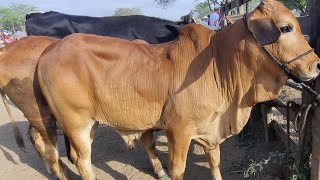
column 276, row 29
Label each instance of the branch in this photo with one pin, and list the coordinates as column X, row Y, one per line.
column 209, row 5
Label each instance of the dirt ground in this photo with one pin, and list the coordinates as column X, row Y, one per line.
column 112, row 160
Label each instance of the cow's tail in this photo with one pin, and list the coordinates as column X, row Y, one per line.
column 16, row 130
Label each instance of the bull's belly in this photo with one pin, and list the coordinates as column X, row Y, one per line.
column 127, row 116
column 126, row 106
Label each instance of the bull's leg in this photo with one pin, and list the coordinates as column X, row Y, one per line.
column 44, row 140
column 73, row 153
column 213, row 157
column 178, row 142
column 149, row 144
column 81, row 140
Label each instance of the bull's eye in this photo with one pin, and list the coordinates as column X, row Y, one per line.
column 287, row 28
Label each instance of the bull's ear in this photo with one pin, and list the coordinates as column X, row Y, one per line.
column 264, row 30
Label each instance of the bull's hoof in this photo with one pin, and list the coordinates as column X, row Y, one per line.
column 131, row 147
column 165, row 177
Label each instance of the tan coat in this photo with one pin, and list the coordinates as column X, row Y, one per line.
column 201, row 86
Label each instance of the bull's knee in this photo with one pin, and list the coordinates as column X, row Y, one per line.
column 52, row 161
column 48, row 152
column 81, row 141
column 31, row 135
column 149, row 144
column 41, row 147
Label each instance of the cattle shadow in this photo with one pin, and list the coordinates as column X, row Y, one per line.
column 108, row 146
column 14, row 154
column 110, row 156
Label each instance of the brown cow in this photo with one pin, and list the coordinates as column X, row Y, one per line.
column 18, row 62
column 201, row 86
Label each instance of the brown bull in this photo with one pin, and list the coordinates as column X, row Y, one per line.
column 201, row 86
column 18, row 62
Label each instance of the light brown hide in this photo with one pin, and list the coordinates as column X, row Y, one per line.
column 201, row 86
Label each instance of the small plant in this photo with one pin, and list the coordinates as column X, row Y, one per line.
column 252, row 169
column 296, row 173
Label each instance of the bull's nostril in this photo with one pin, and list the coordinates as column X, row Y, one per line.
column 318, row 65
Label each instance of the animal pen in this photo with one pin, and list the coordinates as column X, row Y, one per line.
column 302, row 118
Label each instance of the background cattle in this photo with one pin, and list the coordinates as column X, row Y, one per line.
column 200, row 87
column 149, row 29
column 18, row 62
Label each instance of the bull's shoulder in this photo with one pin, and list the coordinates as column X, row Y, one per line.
column 196, row 30
column 197, row 35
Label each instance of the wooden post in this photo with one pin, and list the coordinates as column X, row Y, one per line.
column 14, row 30
column 314, row 40
column 305, row 136
column 310, row 4
column 224, row 21
column 266, row 115
column 315, row 161
column 247, row 7
column 315, row 43
column 227, row 2
column 239, row 7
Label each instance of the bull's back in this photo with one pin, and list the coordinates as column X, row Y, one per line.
column 18, row 59
column 122, row 83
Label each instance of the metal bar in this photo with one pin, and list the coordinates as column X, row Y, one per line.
column 280, row 101
column 315, row 161
column 294, row 85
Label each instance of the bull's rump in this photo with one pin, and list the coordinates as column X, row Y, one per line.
column 18, row 62
column 94, row 76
